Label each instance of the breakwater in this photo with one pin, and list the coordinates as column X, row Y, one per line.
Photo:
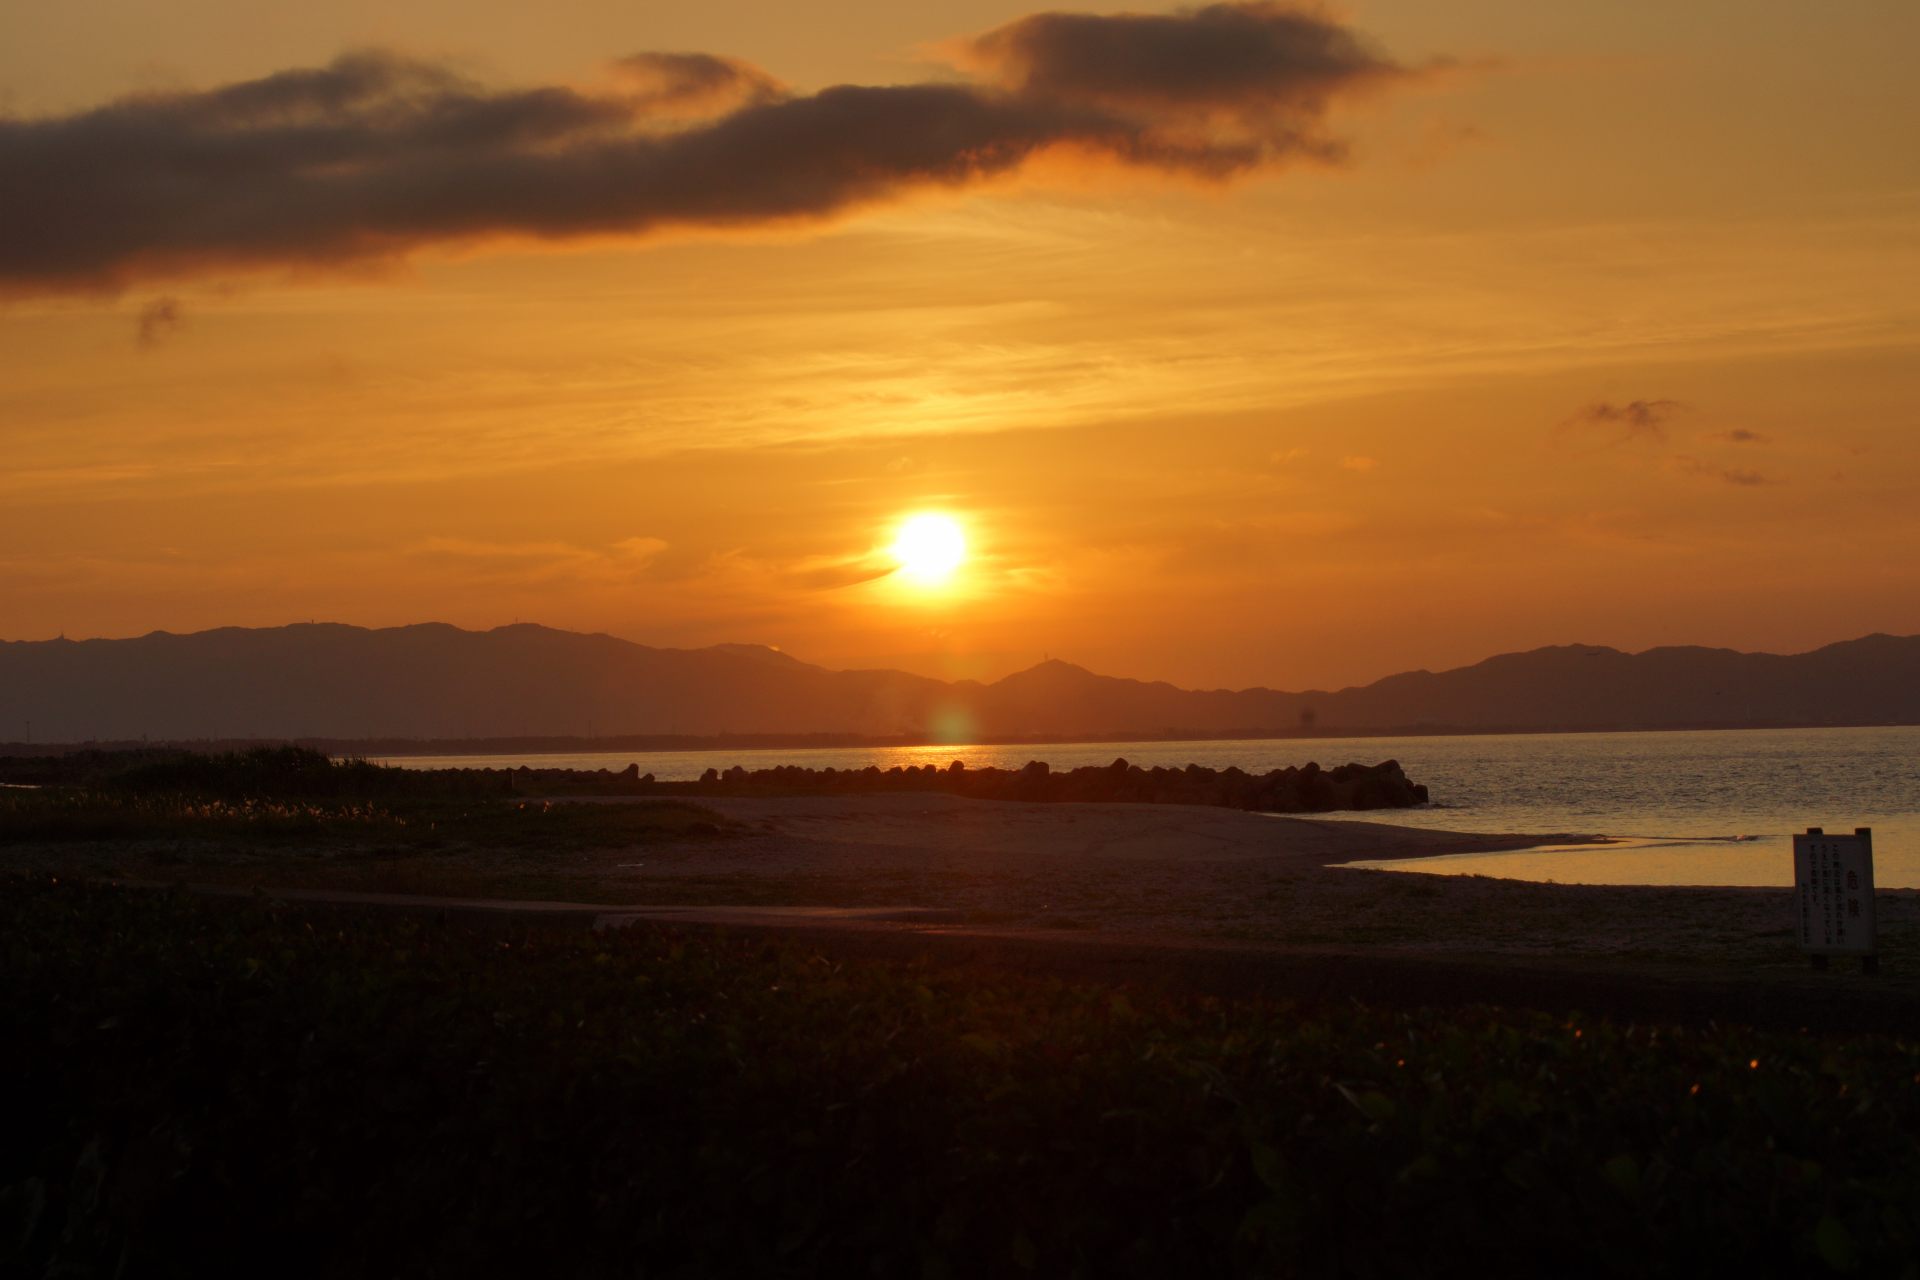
column 1304, row 789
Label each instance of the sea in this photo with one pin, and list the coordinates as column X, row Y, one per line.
column 1713, row 807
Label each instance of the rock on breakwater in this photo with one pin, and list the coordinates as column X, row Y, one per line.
column 1305, row 789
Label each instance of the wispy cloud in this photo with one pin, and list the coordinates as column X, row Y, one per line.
column 158, row 320
column 742, row 573
column 625, row 560
column 831, row 574
column 1704, row 469
column 1740, row 435
column 1635, row 419
column 376, row 155
column 693, row 85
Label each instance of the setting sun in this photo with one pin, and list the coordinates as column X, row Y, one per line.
column 929, row 548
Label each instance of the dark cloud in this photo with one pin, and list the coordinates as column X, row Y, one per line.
column 1740, row 435
column 376, row 155
column 158, row 320
column 1269, row 68
column 1645, row 419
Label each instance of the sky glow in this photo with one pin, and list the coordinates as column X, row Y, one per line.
column 1267, row 347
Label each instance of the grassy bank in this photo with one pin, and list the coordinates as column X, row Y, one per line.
column 290, row 798
column 375, row 1095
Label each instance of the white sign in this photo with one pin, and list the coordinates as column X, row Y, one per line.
column 1834, row 877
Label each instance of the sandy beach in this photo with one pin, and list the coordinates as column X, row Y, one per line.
column 1185, row 871
column 1154, row 875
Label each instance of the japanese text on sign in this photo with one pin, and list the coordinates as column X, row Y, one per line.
column 1833, row 877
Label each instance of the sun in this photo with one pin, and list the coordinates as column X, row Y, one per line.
column 929, row 547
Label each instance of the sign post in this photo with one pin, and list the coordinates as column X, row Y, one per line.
column 1833, row 879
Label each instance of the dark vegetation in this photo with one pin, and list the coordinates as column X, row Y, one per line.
column 198, row 1083
column 259, row 772
column 282, row 797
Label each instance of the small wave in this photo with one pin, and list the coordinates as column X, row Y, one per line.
column 1666, row 841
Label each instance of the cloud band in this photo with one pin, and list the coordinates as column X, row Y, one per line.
column 376, row 155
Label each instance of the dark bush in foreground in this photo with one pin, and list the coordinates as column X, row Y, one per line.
column 200, row 1086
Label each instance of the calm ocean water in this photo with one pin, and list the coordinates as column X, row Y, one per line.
column 1680, row 800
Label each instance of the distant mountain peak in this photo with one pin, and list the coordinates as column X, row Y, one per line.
column 758, row 652
column 1054, row 669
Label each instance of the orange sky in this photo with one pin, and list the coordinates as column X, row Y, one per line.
column 1606, row 329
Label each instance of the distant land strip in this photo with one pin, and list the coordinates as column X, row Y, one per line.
column 613, row 744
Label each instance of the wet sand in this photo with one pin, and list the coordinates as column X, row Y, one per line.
column 933, row 829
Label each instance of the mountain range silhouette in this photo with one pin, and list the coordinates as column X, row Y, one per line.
column 434, row 681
